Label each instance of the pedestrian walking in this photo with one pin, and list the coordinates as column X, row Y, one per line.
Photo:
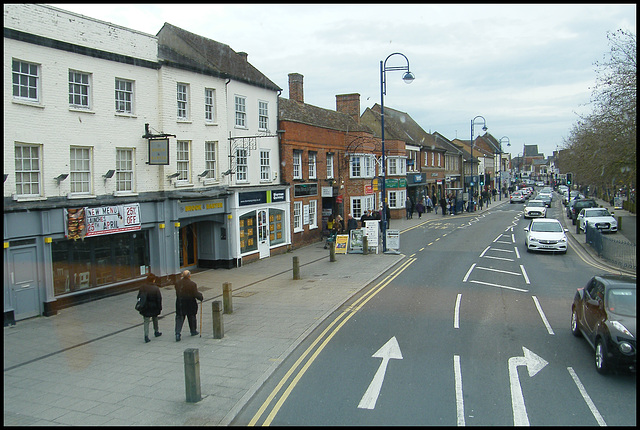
column 435, row 205
column 352, row 224
column 429, row 204
column 408, row 204
column 186, row 305
column 149, row 305
column 387, row 215
column 420, row 209
column 443, row 205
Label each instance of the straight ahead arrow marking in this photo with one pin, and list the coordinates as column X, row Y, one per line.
column 388, row 351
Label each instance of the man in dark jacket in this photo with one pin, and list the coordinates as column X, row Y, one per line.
column 150, row 300
column 186, row 305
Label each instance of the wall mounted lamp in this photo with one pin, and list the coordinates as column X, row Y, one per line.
column 203, row 174
column 109, row 174
column 174, row 175
column 5, row 177
column 61, row 177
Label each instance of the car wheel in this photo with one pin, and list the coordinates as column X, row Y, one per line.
column 575, row 330
column 602, row 364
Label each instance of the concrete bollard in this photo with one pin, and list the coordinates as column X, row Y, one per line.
column 218, row 324
column 226, row 297
column 619, row 223
column 296, row 268
column 332, row 252
column 192, row 375
column 365, row 245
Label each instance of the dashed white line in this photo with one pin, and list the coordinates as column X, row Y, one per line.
column 586, row 398
column 485, row 250
column 459, row 397
column 468, row 272
column 456, row 312
column 542, row 315
column 517, row 253
column 524, row 273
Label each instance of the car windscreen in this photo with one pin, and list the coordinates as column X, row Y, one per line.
column 546, row 227
column 622, row 301
column 603, row 212
column 535, row 204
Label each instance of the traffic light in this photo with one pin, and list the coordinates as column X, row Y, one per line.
column 569, row 178
column 481, row 179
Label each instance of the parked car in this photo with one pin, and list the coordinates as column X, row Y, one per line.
column 604, row 312
column 535, row 209
column 599, row 218
column 577, row 205
column 545, row 234
column 517, row 197
column 574, row 195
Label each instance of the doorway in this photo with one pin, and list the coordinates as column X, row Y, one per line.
column 188, row 246
column 263, row 234
column 24, row 283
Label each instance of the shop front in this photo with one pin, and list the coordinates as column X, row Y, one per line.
column 416, row 186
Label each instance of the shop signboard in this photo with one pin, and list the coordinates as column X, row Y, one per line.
column 200, row 207
column 86, row 222
column 261, row 197
column 372, row 229
column 159, row 152
column 393, row 240
column 341, row 243
column 355, row 241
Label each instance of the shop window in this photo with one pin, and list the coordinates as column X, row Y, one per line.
column 248, row 232
column 84, row 264
column 276, row 226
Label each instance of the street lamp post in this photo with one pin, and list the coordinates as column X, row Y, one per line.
column 407, row 77
column 500, row 165
column 484, row 128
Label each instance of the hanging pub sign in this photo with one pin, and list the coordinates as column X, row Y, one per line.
column 87, row 222
column 159, row 152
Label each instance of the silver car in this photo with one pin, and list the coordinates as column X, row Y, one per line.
column 535, row 209
column 599, row 218
column 545, row 234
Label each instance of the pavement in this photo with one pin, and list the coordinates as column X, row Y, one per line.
column 89, row 364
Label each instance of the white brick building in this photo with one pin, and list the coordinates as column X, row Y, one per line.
column 88, row 206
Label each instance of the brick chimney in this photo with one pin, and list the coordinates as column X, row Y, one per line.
column 295, row 87
column 349, row 104
column 244, row 55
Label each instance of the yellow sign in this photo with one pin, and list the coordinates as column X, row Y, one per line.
column 341, row 243
column 375, row 184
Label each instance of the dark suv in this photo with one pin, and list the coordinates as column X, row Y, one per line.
column 578, row 205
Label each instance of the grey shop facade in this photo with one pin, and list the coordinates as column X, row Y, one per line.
column 60, row 253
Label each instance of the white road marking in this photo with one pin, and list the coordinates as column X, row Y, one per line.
column 485, row 250
column 496, row 239
column 542, row 315
column 534, row 364
column 456, row 312
column 499, row 286
column 517, row 253
column 459, row 397
column 499, row 271
column 513, row 238
column 499, row 258
column 524, row 273
column 468, row 272
column 388, row 351
column 586, row 398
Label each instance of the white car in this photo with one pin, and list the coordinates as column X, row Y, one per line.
column 535, row 209
column 545, row 234
column 599, row 218
column 517, row 197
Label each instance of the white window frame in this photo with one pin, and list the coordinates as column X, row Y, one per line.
column 79, row 90
column 397, row 198
column 263, row 115
column 297, row 217
column 297, row 164
column 369, row 166
column 27, row 75
column 313, row 157
column 313, row 214
column 210, row 159
column 329, row 166
column 355, row 166
column 80, row 169
column 124, row 90
column 242, row 165
column 392, row 166
column 265, row 165
column 27, row 170
column 182, row 101
column 365, row 202
column 124, row 169
column 210, row 105
column 240, row 103
column 183, row 160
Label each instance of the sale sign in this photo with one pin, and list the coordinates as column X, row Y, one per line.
column 87, row 222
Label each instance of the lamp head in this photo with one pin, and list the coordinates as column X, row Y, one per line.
column 484, row 127
column 408, row 77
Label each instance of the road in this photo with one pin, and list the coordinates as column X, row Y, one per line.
column 470, row 329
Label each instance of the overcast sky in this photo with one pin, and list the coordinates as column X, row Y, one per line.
column 527, row 69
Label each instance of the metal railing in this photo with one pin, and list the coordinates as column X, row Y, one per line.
column 622, row 253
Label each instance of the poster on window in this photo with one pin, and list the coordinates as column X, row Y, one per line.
column 87, row 222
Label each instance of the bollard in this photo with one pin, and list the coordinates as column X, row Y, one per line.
column 192, row 375
column 226, row 297
column 296, row 268
column 619, row 223
column 332, row 252
column 218, row 325
column 365, row 245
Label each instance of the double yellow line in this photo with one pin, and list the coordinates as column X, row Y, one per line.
column 331, row 330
